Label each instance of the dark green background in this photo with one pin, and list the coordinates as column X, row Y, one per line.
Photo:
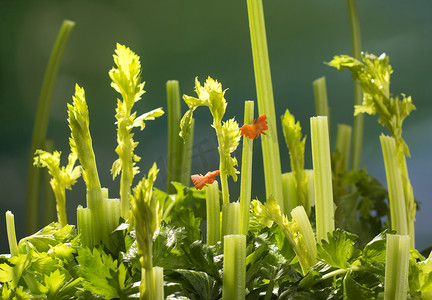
column 184, row 39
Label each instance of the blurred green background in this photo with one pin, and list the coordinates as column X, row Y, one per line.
column 184, row 39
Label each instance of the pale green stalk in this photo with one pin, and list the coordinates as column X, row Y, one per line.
column 320, row 93
column 324, row 208
column 111, row 213
column 158, row 283
column 41, row 126
column 186, row 161
column 230, row 218
column 10, row 228
column 213, row 213
column 49, row 214
column 358, row 95
column 343, row 144
column 85, row 226
column 246, row 171
column 270, row 146
column 289, row 190
column 398, row 214
column 301, row 218
column 222, row 166
column 234, row 268
column 175, row 149
column 396, row 267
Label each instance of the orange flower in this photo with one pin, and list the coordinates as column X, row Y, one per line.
column 258, row 126
column 200, row 181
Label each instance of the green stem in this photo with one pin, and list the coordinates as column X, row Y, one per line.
column 85, row 226
column 187, row 151
column 222, row 174
column 230, row 218
column 358, row 95
column 246, row 171
column 289, row 189
column 61, row 207
column 409, row 197
column 158, row 283
column 270, row 146
column 147, row 291
column 343, row 145
column 396, row 267
column 41, row 125
column 213, row 213
column 10, row 227
column 234, row 268
column 398, row 212
column 300, row 216
column 320, row 93
column 49, row 198
column 175, row 149
column 324, row 208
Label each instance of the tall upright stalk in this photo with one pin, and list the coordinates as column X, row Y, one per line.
column 41, row 126
column 324, row 208
column 358, row 95
column 175, row 154
column 270, row 146
column 10, row 227
column 246, row 172
column 49, row 214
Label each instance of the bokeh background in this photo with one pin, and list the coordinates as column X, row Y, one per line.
column 184, row 39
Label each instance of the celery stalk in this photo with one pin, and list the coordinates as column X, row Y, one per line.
column 230, row 218
column 49, row 214
column 320, row 93
column 396, row 267
column 41, row 126
column 234, row 268
column 10, row 227
column 270, row 147
column 289, row 189
column 213, row 213
column 246, row 172
column 324, row 208
column 186, row 161
column 358, row 94
column 343, row 144
column 301, row 218
column 398, row 214
column 85, row 226
column 158, row 283
column 175, row 154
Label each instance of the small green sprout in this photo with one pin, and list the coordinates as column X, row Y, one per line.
column 228, row 134
column 126, row 80
column 62, row 178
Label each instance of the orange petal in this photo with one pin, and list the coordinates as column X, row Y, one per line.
column 200, row 181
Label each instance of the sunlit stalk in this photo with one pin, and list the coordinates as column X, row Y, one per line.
column 324, row 208
column 213, row 213
column 246, row 171
column 10, row 227
column 396, row 267
column 358, row 95
column 234, row 268
column 50, row 211
column 270, row 146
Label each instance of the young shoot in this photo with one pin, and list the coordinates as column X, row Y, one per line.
column 126, row 80
column 62, row 178
column 228, row 134
column 373, row 73
column 147, row 214
column 298, row 231
column 296, row 144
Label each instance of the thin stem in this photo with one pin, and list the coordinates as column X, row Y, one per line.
column 49, row 199
column 174, row 141
column 10, row 227
column 358, row 95
column 186, row 161
column 321, row 100
column 223, row 175
column 270, row 146
column 41, row 126
column 324, row 208
column 246, row 171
